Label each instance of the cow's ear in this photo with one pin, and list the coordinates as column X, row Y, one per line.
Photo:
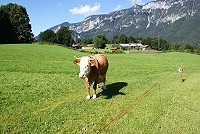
column 92, row 62
column 76, row 61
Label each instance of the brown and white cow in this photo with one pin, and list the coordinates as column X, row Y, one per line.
column 93, row 69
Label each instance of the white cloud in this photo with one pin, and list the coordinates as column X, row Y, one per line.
column 117, row 8
column 59, row 4
column 86, row 9
column 140, row 2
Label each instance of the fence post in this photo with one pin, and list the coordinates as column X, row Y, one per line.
column 180, row 70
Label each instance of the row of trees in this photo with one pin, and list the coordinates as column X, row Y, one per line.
column 157, row 44
column 125, row 39
column 100, row 40
column 63, row 36
column 115, row 40
column 14, row 24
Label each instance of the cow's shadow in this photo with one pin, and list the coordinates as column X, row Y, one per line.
column 113, row 90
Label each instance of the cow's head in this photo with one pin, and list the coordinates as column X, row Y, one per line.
column 85, row 64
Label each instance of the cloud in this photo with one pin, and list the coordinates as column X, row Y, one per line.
column 117, row 8
column 140, row 2
column 86, row 9
column 59, row 4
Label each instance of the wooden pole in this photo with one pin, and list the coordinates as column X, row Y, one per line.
column 180, row 69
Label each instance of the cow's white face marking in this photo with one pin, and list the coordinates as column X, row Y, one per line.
column 84, row 67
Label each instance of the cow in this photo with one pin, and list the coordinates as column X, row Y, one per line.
column 93, row 69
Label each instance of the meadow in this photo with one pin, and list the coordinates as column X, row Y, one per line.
column 40, row 92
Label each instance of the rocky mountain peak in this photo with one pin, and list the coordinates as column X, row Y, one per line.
column 149, row 20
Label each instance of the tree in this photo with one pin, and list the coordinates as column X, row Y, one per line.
column 19, row 30
column 115, row 40
column 157, row 44
column 48, row 36
column 146, row 41
column 100, row 41
column 123, row 38
column 85, row 41
column 131, row 39
column 6, row 29
column 189, row 48
column 164, row 45
column 64, row 36
column 175, row 46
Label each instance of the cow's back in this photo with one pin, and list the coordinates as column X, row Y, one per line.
column 103, row 63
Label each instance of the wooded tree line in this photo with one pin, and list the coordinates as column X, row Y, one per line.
column 157, row 44
column 100, row 41
column 14, row 24
column 63, row 36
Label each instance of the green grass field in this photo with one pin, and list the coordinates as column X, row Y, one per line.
column 40, row 92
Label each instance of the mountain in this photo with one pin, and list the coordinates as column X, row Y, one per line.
column 173, row 20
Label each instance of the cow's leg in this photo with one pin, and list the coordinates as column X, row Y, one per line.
column 94, row 93
column 88, row 89
column 104, row 83
column 88, row 94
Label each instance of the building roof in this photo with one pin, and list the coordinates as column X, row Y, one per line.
column 131, row 45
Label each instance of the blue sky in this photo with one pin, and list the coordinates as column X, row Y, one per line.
column 44, row 14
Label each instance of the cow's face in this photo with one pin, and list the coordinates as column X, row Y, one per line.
column 85, row 63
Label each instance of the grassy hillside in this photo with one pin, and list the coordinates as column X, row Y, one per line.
column 40, row 92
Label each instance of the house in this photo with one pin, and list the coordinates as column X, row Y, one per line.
column 89, row 46
column 131, row 45
column 76, row 46
column 113, row 48
column 145, row 47
column 137, row 46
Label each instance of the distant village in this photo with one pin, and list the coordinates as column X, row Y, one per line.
column 130, row 46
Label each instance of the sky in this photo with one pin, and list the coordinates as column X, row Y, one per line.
column 45, row 14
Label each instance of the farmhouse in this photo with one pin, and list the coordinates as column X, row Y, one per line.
column 113, row 48
column 131, row 45
column 145, row 47
column 89, row 46
column 76, row 46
